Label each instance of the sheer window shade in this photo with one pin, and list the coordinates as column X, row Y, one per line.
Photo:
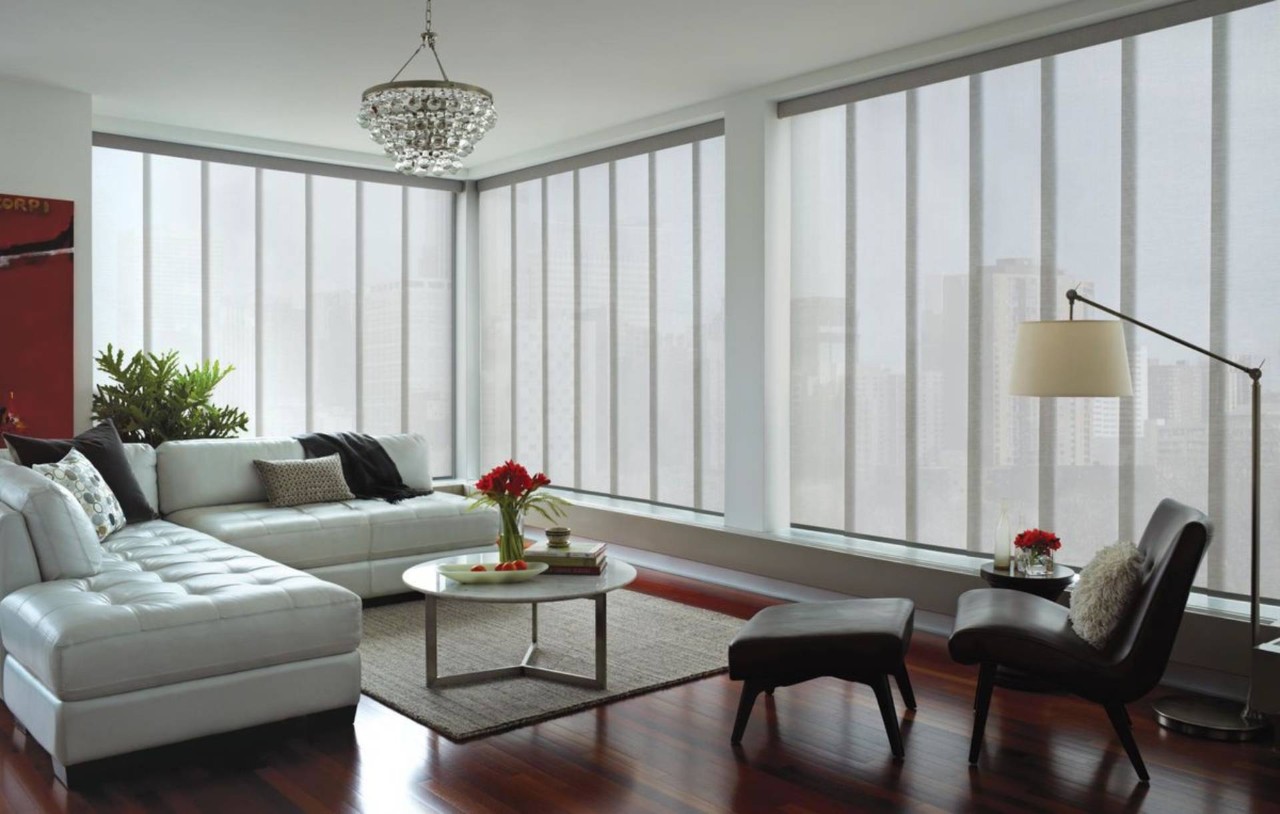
column 602, row 297
column 331, row 294
column 930, row 220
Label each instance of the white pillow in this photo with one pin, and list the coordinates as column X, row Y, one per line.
column 64, row 540
column 1103, row 594
column 81, row 478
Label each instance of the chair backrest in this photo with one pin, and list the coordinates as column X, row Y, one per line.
column 1172, row 546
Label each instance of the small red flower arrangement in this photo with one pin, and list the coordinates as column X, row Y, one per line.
column 1038, row 541
column 510, row 489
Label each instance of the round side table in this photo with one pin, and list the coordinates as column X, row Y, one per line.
column 1049, row 586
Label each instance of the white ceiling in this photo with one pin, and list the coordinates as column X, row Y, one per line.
column 293, row 70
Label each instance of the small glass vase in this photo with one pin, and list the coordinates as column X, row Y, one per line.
column 1034, row 562
column 511, row 535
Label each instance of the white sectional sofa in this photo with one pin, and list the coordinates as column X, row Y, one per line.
column 205, row 621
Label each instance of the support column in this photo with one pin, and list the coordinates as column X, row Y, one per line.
column 466, row 309
column 757, row 316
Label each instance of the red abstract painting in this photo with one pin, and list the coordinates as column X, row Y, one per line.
column 37, row 321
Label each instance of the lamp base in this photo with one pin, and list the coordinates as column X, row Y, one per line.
column 1213, row 718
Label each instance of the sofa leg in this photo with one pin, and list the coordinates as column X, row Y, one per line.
column 904, row 686
column 749, row 692
column 1124, row 729
column 890, row 715
column 981, row 705
column 61, row 772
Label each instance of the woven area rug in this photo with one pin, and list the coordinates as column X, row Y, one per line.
column 653, row 643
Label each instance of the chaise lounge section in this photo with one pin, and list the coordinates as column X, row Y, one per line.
column 226, row 614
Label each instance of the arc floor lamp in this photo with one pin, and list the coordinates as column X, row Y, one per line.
column 1088, row 358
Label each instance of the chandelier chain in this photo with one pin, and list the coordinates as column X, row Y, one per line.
column 428, row 41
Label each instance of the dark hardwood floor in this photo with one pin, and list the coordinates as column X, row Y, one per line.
column 817, row 747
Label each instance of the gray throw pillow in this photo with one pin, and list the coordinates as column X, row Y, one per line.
column 1105, row 592
column 294, row 483
column 79, row 477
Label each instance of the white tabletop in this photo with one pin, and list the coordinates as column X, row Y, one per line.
column 543, row 588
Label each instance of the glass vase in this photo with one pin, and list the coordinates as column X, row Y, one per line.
column 510, row 535
column 1035, row 562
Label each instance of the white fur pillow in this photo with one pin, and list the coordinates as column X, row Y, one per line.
column 1102, row 596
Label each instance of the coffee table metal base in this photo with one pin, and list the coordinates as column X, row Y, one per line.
column 524, row 668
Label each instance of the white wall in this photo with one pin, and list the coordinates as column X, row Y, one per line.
column 46, row 140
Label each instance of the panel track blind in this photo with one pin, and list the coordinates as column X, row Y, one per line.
column 330, row 292
column 602, row 301
column 930, row 221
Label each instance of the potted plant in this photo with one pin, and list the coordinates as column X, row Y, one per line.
column 513, row 491
column 152, row 399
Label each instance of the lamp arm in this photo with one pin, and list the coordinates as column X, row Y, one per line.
column 1074, row 296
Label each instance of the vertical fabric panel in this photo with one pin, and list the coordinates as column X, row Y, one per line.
column 429, row 322
column 1010, row 267
column 1131, row 408
column 118, row 218
column 910, row 314
column 880, row 378
column 334, row 350
column 175, row 257
column 231, row 338
column 942, row 308
column 594, row 352
column 672, row 396
column 1251, row 286
column 1085, row 227
column 979, row 332
column 559, row 329
column 496, row 392
column 819, row 491
column 1173, row 177
column 633, row 328
column 527, row 340
column 1048, row 450
column 382, row 268
column 1219, row 244
column 710, row 315
column 284, row 310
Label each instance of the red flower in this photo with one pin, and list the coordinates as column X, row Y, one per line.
column 1038, row 539
column 510, row 479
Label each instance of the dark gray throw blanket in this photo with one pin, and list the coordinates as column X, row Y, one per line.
column 368, row 469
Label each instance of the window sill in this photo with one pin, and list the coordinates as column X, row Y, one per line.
column 959, row 562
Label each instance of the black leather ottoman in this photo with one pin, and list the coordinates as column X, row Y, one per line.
column 862, row 640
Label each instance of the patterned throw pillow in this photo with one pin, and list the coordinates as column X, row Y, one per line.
column 294, row 483
column 79, row 477
column 1104, row 592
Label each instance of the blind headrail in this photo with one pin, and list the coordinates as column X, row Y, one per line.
column 1049, row 45
column 270, row 162
column 662, row 141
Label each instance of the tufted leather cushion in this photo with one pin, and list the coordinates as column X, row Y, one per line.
column 299, row 536
column 845, row 638
column 60, row 532
column 434, row 522
column 171, row 604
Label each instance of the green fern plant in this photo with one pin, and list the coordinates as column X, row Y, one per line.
column 153, row 399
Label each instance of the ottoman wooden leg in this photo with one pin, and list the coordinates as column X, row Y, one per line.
column 904, row 687
column 750, row 690
column 981, row 704
column 889, row 713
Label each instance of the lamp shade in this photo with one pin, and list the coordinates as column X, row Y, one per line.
column 1082, row 357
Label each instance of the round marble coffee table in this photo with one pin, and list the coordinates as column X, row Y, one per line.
column 434, row 586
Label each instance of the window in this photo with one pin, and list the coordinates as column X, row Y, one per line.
column 602, row 300
column 929, row 222
column 331, row 295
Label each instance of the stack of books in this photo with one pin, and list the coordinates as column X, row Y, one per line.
column 578, row 558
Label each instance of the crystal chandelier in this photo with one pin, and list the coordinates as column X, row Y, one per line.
column 428, row 126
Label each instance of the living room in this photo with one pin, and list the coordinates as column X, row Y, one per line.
column 897, row 370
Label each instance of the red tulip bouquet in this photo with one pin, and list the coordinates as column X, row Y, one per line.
column 1035, row 551
column 513, row 491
